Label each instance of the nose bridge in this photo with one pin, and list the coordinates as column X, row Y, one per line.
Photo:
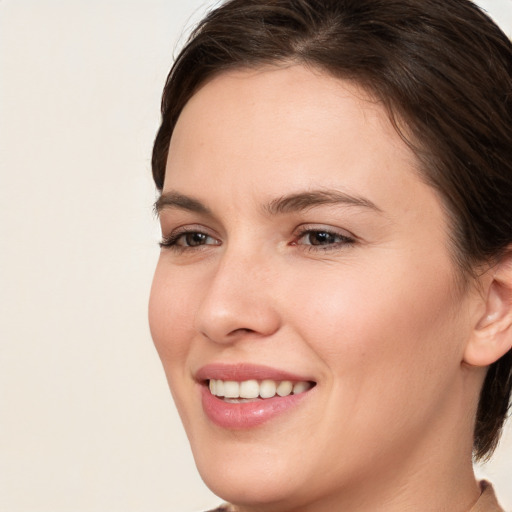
column 239, row 297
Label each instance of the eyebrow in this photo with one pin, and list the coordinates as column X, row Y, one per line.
column 296, row 202
column 304, row 200
column 181, row 202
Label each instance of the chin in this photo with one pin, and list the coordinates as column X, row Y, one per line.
column 249, row 490
column 249, row 475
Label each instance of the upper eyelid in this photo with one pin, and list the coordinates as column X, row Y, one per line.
column 190, row 228
column 172, row 219
column 301, row 234
column 171, row 236
column 306, row 228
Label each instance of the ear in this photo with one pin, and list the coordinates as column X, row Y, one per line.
column 492, row 335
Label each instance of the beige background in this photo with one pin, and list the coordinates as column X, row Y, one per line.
column 86, row 420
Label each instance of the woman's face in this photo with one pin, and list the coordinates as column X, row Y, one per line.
column 304, row 250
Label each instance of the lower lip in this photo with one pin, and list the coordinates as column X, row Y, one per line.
column 238, row 416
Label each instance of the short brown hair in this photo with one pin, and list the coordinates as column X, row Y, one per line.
column 442, row 68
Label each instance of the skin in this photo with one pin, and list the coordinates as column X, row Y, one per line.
column 378, row 323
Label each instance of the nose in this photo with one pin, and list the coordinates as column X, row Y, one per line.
column 238, row 300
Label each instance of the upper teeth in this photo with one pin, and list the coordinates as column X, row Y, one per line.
column 254, row 389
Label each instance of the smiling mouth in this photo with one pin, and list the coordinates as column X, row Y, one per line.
column 231, row 391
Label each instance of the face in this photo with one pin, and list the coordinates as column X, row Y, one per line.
column 303, row 256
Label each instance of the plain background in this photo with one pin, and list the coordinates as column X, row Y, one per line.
column 86, row 420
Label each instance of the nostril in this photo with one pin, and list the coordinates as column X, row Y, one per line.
column 243, row 330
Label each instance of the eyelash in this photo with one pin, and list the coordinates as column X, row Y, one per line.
column 171, row 242
column 343, row 240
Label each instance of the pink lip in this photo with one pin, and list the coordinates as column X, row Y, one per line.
column 237, row 416
column 244, row 371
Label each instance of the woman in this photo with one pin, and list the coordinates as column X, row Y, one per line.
column 333, row 301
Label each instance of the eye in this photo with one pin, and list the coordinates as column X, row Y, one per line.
column 188, row 239
column 193, row 239
column 322, row 239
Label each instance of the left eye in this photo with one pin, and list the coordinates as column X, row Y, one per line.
column 322, row 238
column 194, row 239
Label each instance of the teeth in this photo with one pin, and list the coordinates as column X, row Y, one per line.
column 249, row 389
column 267, row 389
column 252, row 389
column 231, row 389
column 284, row 388
column 299, row 387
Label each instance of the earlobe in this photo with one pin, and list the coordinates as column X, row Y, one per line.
column 492, row 335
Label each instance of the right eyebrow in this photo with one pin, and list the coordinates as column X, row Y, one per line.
column 175, row 200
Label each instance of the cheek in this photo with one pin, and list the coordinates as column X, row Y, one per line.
column 170, row 317
column 391, row 325
column 390, row 346
column 171, row 307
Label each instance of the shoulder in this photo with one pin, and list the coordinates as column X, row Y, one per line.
column 224, row 508
column 487, row 501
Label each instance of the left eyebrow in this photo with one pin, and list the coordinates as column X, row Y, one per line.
column 304, row 200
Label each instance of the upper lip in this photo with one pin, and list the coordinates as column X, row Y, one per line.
column 245, row 371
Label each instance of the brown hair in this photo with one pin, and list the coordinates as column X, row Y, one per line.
column 442, row 68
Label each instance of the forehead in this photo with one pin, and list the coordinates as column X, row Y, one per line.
column 273, row 124
column 292, row 88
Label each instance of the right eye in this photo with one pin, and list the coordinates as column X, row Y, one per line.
column 188, row 239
